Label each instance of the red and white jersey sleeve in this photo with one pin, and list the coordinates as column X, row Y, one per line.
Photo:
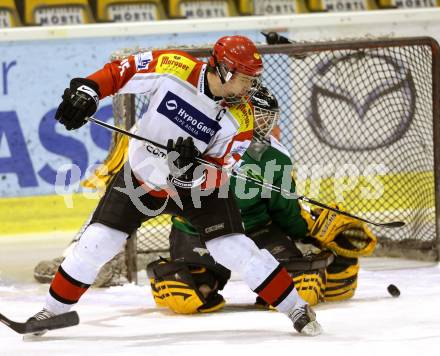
column 174, row 83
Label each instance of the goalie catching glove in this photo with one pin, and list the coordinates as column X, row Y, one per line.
column 341, row 234
column 185, row 173
column 80, row 101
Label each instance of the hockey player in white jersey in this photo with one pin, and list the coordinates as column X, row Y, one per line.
column 320, row 249
column 196, row 109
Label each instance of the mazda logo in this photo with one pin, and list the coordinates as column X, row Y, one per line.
column 361, row 101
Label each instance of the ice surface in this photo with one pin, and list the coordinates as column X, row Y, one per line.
column 125, row 321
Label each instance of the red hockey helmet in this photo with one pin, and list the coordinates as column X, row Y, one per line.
column 236, row 54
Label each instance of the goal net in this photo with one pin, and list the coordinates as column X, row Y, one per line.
column 360, row 120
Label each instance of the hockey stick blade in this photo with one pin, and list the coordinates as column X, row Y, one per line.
column 57, row 322
column 390, row 225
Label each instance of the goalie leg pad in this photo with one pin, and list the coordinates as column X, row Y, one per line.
column 182, row 288
column 309, row 275
column 342, row 277
column 310, row 285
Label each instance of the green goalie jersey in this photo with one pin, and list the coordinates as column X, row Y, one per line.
column 260, row 207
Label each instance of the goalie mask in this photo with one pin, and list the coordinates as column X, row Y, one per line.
column 266, row 113
column 237, row 55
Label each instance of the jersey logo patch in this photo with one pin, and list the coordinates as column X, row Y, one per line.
column 188, row 118
column 143, row 60
column 175, row 64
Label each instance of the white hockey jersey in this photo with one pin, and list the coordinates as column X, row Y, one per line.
column 175, row 84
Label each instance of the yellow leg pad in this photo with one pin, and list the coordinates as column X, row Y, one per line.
column 310, row 287
column 179, row 297
column 341, row 285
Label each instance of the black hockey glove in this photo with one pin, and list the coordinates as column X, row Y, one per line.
column 79, row 101
column 184, row 170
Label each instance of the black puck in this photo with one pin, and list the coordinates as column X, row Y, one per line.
column 393, row 290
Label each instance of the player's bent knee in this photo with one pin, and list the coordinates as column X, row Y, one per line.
column 98, row 245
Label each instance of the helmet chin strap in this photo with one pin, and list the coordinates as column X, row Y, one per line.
column 217, row 68
column 219, row 71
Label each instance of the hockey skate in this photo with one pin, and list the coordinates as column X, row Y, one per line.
column 41, row 315
column 304, row 321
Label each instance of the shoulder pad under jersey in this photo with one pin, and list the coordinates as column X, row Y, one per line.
column 244, row 115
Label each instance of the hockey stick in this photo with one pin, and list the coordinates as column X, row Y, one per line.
column 248, row 178
column 198, row 159
column 57, row 322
